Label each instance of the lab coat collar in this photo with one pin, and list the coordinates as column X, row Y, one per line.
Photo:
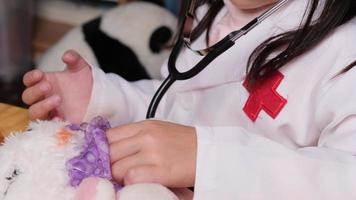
column 231, row 65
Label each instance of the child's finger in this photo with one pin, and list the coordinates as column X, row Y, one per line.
column 120, row 168
column 122, row 132
column 74, row 61
column 124, row 148
column 183, row 193
column 36, row 93
column 42, row 109
column 32, row 77
column 144, row 174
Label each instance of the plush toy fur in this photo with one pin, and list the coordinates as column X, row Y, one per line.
column 33, row 167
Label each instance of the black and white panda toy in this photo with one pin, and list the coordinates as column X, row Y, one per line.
column 130, row 40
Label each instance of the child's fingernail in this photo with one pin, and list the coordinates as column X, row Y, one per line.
column 57, row 119
column 45, row 87
column 37, row 75
column 69, row 54
column 54, row 99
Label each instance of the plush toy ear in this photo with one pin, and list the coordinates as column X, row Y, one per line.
column 95, row 189
column 160, row 38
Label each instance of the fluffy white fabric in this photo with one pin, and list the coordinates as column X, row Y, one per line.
column 33, row 167
column 39, row 162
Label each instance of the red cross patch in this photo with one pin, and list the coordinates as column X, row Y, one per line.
column 264, row 96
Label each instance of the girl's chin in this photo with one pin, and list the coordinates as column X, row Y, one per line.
column 252, row 6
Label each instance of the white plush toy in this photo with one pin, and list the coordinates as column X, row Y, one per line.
column 57, row 161
column 130, row 40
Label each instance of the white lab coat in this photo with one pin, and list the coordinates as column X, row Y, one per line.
column 306, row 152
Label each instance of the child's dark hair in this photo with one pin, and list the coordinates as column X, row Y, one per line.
column 294, row 43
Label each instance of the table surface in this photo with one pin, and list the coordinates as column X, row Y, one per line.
column 12, row 119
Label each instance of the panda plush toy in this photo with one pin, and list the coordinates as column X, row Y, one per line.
column 131, row 40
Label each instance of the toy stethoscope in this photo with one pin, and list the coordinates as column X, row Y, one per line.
column 210, row 53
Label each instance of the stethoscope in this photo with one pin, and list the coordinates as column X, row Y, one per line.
column 209, row 54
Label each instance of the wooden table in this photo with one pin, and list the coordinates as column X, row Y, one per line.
column 12, row 119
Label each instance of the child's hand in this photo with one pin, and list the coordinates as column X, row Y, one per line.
column 63, row 95
column 153, row 151
column 183, row 193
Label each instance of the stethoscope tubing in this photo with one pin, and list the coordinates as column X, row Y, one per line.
column 175, row 75
column 152, row 109
column 222, row 46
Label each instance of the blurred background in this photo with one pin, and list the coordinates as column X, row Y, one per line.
column 28, row 28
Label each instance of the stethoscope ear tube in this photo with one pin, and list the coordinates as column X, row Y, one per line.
column 226, row 43
column 216, row 51
column 205, row 61
column 175, row 75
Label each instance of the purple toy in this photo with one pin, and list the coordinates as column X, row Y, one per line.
column 93, row 160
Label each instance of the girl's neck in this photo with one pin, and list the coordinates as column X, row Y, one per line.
column 235, row 19
column 244, row 15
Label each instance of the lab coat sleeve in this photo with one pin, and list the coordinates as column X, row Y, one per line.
column 233, row 163
column 117, row 99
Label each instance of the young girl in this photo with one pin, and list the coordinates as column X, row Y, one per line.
column 285, row 128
